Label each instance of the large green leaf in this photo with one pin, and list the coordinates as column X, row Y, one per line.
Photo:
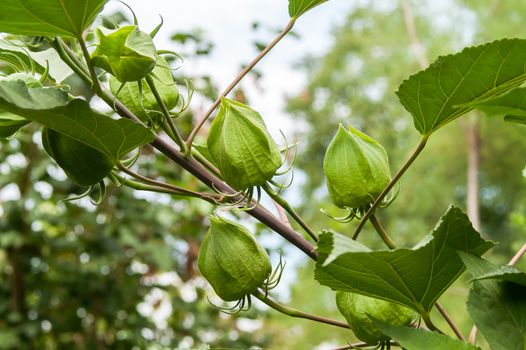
column 499, row 311
column 299, row 7
column 512, row 106
column 418, row 339
column 48, row 17
column 482, row 269
column 75, row 118
column 413, row 277
column 452, row 84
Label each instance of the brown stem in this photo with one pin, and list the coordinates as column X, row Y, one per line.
column 449, row 321
column 382, row 232
column 236, row 81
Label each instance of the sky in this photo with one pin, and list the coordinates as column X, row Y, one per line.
column 228, row 25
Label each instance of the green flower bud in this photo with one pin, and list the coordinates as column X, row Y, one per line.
column 241, row 146
column 362, row 311
column 165, row 85
column 127, row 53
column 356, row 167
column 83, row 164
column 232, row 261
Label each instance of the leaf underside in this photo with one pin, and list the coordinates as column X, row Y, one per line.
column 512, row 106
column 413, row 277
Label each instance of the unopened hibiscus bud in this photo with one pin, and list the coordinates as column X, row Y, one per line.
column 356, row 168
column 241, row 146
column 232, row 261
column 362, row 313
column 126, row 53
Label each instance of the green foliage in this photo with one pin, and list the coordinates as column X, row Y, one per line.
column 128, row 252
column 404, row 276
column 53, row 17
column 452, row 84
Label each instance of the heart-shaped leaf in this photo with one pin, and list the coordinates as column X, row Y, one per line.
column 418, row 339
column 48, row 17
column 74, row 118
column 453, row 84
column 299, row 7
column 413, row 277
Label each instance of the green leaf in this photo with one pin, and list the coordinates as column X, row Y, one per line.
column 512, row 106
column 74, row 118
column 418, row 339
column 499, row 311
column 299, row 7
column 10, row 124
column 48, row 17
column 452, row 84
column 482, row 269
column 413, row 277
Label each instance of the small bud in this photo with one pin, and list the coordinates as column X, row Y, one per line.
column 232, row 261
column 356, row 168
column 145, row 107
column 241, row 146
column 361, row 312
column 83, row 164
column 127, row 53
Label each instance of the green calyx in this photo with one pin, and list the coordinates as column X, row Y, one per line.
column 363, row 313
column 144, row 105
column 126, row 53
column 83, row 164
column 356, row 168
column 232, row 261
column 241, row 146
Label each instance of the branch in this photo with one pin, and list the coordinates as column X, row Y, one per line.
column 236, row 81
column 195, row 168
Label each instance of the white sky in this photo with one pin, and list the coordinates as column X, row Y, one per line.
column 227, row 24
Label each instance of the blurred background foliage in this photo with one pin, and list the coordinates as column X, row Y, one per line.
column 122, row 275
